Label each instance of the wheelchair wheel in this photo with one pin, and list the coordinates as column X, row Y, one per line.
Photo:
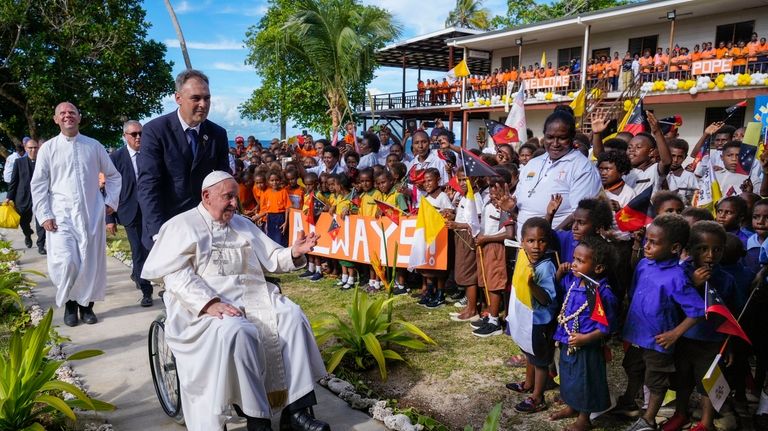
column 163, row 366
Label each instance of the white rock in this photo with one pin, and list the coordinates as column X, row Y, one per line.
column 338, row 386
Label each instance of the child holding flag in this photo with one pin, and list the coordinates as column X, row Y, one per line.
column 531, row 316
column 585, row 320
column 660, row 291
column 434, row 279
column 341, row 205
column 697, row 348
column 309, row 209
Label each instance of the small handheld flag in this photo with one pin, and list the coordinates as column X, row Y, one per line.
column 500, row 133
column 333, row 229
column 638, row 120
column 316, row 206
column 747, row 154
column 714, row 304
column 474, row 166
column 667, row 124
column 594, row 301
column 731, row 109
column 637, row 213
column 715, row 385
column 389, row 211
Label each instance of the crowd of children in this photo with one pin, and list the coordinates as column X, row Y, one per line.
column 590, row 281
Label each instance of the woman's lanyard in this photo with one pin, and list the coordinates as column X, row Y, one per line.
column 540, row 177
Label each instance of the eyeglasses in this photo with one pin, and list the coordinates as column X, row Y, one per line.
column 134, row 134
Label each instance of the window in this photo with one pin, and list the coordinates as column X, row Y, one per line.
column 639, row 45
column 718, row 114
column 602, row 52
column 508, row 62
column 734, row 32
column 565, row 55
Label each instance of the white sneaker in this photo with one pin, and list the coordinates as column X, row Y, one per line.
column 461, row 303
column 341, row 283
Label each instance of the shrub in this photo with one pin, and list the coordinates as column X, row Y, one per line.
column 28, row 388
column 362, row 338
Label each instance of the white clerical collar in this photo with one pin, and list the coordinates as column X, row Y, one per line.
column 184, row 125
column 69, row 138
column 208, row 219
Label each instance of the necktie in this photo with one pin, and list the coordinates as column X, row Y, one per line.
column 192, row 136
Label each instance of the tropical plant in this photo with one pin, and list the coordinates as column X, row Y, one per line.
column 7, row 253
column 28, row 387
column 12, row 284
column 491, row 421
column 337, row 41
column 362, row 335
column 469, row 14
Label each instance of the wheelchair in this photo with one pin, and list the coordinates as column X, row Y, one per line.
column 162, row 363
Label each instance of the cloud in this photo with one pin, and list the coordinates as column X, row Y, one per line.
column 219, row 45
column 232, row 67
column 257, row 11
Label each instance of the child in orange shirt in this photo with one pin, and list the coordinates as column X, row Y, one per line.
column 247, row 202
column 295, row 192
column 274, row 207
column 314, row 263
column 259, row 186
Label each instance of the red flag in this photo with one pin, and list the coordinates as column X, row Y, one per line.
column 598, row 312
column 333, row 229
column 416, row 176
column 501, row 133
column 454, row 183
column 637, row 213
column 316, row 206
column 731, row 109
column 638, row 120
column 714, row 304
column 389, row 211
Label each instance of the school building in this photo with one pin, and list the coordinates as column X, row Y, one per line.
column 574, row 40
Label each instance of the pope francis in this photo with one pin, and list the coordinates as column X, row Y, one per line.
column 241, row 347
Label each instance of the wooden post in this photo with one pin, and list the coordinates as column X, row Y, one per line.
column 464, row 124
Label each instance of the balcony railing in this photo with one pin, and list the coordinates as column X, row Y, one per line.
column 438, row 98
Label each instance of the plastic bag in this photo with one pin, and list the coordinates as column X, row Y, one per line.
column 9, row 218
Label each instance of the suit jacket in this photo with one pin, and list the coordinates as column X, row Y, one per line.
column 18, row 189
column 170, row 178
column 128, row 212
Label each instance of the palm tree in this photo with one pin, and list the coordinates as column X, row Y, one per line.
column 337, row 40
column 469, row 14
column 179, row 34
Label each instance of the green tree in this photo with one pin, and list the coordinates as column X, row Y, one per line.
column 288, row 90
column 335, row 41
column 520, row 12
column 94, row 54
column 469, row 14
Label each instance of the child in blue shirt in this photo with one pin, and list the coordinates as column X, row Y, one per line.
column 697, row 348
column 582, row 325
column 660, row 290
column 731, row 211
column 535, row 241
column 760, row 226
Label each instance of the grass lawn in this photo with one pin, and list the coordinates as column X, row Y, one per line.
column 456, row 382
column 119, row 241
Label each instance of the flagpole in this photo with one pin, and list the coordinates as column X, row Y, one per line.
column 482, row 272
column 738, row 319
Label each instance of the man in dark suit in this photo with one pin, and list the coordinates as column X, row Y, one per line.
column 128, row 212
column 178, row 150
column 20, row 194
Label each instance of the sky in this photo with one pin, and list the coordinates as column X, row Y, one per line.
column 215, row 30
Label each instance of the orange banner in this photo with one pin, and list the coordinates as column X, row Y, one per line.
column 706, row 67
column 359, row 237
column 549, row 82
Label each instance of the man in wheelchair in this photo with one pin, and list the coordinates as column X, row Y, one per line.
column 240, row 346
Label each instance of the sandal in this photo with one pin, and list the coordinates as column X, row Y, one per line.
column 529, row 405
column 519, row 387
column 516, row 361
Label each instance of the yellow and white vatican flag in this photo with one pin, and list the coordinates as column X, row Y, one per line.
column 460, row 71
column 520, row 317
column 715, row 384
column 429, row 223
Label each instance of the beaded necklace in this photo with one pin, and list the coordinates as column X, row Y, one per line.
column 563, row 319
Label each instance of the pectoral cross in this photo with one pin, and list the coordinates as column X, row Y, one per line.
column 220, row 261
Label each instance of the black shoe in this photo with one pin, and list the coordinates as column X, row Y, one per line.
column 42, row 251
column 436, row 301
column 28, row 241
column 399, row 290
column 488, row 330
column 258, row 424
column 479, row 323
column 86, row 314
column 302, row 420
column 70, row 313
column 455, row 297
column 146, row 300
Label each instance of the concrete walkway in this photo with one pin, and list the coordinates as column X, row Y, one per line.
column 122, row 376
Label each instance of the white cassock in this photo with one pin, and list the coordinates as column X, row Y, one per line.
column 260, row 361
column 65, row 187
